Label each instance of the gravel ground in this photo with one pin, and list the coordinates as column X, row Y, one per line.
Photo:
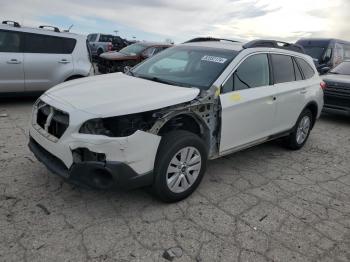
column 263, row 204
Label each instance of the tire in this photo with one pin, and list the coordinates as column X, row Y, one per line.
column 294, row 141
column 187, row 175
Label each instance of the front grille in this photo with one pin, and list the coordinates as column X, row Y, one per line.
column 337, row 94
column 53, row 121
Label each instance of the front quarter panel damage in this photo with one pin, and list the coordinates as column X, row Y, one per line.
column 138, row 150
column 205, row 111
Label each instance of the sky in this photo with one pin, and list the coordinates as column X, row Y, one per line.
column 180, row 20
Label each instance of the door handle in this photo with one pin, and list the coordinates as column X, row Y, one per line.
column 303, row 91
column 13, row 61
column 64, row 61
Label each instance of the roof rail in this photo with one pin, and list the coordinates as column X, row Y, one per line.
column 275, row 44
column 13, row 23
column 55, row 29
column 209, row 39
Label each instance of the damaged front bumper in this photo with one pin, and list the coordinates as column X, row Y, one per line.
column 93, row 174
column 95, row 160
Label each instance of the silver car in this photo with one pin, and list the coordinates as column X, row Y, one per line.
column 36, row 59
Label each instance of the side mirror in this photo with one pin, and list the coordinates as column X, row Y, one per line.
column 324, row 70
column 127, row 70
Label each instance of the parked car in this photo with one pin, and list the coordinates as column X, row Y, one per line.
column 101, row 43
column 337, row 91
column 160, row 123
column 35, row 59
column 131, row 55
column 327, row 53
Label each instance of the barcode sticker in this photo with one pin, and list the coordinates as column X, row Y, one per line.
column 214, row 59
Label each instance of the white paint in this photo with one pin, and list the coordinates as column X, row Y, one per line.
column 120, row 94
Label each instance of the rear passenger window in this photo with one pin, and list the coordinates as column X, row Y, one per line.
column 253, row 72
column 283, row 69
column 45, row 44
column 298, row 75
column 10, row 42
column 306, row 68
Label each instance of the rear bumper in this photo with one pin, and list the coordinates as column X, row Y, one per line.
column 336, row 109
column 337, row 103
column 98, row 175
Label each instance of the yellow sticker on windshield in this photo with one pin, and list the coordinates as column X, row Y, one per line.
column 235, row 97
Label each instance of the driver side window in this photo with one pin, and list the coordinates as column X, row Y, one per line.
column 253, row 72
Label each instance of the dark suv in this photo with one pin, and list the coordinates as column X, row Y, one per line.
column 327, row 53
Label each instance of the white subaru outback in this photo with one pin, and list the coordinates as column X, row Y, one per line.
column 158, row 124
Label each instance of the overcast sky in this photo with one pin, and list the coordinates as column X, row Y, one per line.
column 182, row 19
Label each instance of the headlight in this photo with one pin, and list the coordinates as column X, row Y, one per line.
column 120, row 126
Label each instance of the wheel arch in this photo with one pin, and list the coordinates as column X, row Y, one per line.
column 74, row 77
column 313, row 107
column 187, row 121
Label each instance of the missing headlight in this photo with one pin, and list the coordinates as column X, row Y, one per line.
column 119, row 126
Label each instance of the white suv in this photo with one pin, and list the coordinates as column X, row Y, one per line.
column 160, row 123
column 35, row 59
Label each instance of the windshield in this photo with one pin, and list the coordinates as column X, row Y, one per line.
column 341, row 69
column 315, row 51
column 134, row 49
column 186, row 66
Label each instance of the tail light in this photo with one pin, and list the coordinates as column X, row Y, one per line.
column 323, row 85
column 110, row 47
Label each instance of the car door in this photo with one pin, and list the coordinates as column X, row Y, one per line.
column 248, row 104
column 47, row 60
column 11, row 62
column 290, row 91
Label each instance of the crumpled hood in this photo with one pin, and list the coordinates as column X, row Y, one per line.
column 337, row 78
column 116, row 56
column 119, row 94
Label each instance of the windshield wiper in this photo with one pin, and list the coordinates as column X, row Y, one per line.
column 163, row 81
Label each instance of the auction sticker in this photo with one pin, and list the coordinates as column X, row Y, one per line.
column 214, row 59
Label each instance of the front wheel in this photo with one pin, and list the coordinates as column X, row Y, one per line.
column 301, row 133
column 180, row 165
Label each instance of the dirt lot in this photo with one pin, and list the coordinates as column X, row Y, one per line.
column 263, row 204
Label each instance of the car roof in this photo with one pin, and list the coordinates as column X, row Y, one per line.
column 235, row 46
column 41, row 31
column 144, row 43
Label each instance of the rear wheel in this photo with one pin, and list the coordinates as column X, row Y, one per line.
column 180, row 165
column 301, row 133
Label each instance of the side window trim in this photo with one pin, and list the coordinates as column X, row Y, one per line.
column 272, row 77
column 239, row 63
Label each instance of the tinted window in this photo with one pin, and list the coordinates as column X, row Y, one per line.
column 298, row 75
column 109, row 38
column 283, row 69
column 306, row 68
column 253, row 72
column 316, row 52
column 10, row 42
column 45, row 44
